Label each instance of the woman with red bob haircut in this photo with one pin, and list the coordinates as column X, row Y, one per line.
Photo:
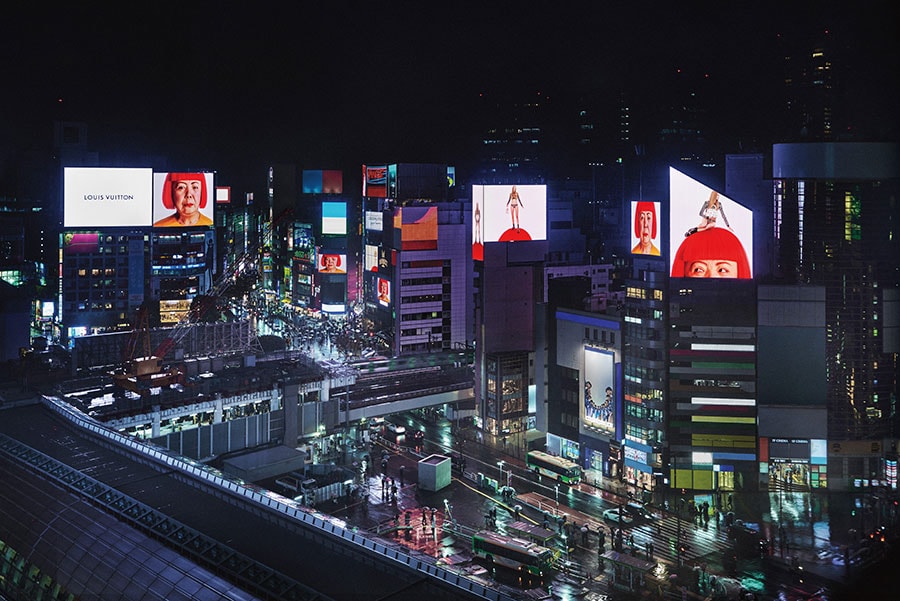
column 645, row 229
column 187, row 194
column 712, row 253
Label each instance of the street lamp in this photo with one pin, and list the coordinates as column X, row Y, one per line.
column 500, row 465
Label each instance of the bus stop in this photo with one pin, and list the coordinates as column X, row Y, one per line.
column 629, row 573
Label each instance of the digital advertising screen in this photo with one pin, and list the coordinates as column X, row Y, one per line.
column 374, row 178
column 82, row 243
column 332, row 263
column 599, row 395
column 334, row 218
column 182, row 199
column 371, row 258
column 502, row 213
column 384, row 292
column 646, row 230
column 710, row 235
column 419, row 228
column 107, row 197
column 223, row 194
column 374, row 221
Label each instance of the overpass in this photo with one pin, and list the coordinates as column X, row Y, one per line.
column 217, row 532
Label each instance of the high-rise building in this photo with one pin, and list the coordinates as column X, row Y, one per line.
column 417, row 264
column 835, row 226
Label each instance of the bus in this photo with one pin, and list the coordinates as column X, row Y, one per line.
column 557, row 468
column 513, row 553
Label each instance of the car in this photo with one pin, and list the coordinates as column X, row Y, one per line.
column 639, row 512
column 613, row 515
column 418, row 435
column 394, row 429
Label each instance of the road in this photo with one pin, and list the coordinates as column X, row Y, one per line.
column 580, row 574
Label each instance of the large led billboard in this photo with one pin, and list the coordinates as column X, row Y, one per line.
column 419, row 228
column 599, row 394
column 384, row 292
column 374, row 179
column 710, row 235
column 334, row 218
column 183, row 199
column 645, row 229
column 371, row 258
column 332, row 263
column 107, row 197
column 507, row 214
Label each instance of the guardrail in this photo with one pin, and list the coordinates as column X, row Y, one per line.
column 281, row 505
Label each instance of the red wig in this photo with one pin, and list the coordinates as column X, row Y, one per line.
column 329, row 255
column 715, row 243
column 644, row 205
column 172, row 178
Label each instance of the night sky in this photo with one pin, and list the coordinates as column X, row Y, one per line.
column 336, row 84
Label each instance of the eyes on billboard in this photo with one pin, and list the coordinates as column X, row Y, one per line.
column 710, row 235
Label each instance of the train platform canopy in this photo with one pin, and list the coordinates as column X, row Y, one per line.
column 267, row 463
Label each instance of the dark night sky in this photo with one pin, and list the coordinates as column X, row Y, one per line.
column 336, row 84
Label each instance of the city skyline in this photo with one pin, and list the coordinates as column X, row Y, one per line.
column 333, row 87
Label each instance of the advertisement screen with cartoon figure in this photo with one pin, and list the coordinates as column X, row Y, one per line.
column 182, row 199
column 645, row 228
column 512, row 213
column 599, row 394
column 710, row 235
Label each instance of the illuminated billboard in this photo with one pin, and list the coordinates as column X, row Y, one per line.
column 334, row 218
column 317, row 181
column 645, row 228
column 374, row 221
column 598, row 405
column 371, row 260
column 102, row 197
column 710, row 235
column 182, row 199
column 384, row 292
column 223, row 194
column 507, row 214
column 332, row 263
column 374, row 180
column 83, row 243
column 419, row 228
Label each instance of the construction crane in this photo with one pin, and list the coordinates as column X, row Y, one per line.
column 141, row 373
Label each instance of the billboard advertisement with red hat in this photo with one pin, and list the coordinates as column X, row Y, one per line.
column 183, row 199
column 645, row 228
column 710, row 235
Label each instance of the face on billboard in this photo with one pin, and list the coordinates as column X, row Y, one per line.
column 507, row 214
column 99, row 197
column 182, row 199
column 645, row 228
column 332, row 263
column 334, row 218
column 599, row 395
column 710, row 236
column 384, row 292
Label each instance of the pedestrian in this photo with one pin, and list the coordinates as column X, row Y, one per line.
column 433, row 515
column 584, row 535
